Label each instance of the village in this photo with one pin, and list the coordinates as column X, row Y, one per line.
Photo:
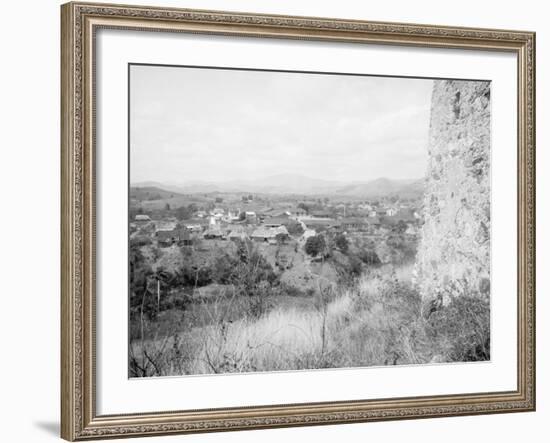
column 208, row 260
column 276, row 224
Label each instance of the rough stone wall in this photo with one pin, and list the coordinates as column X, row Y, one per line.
column 454, row 252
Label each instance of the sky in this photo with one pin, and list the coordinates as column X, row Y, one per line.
column 215, row 125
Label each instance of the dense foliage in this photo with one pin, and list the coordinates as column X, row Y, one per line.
column 315, row 245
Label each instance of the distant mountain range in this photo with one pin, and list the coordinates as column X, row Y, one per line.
column 298, row 184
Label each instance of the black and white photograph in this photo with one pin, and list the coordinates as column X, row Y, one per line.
column 285, row 220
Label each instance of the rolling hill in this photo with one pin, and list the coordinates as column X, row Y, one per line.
column 382, row 187
column 287, row 184
column 151, row 193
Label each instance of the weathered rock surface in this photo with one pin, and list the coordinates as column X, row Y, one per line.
column 454, row 253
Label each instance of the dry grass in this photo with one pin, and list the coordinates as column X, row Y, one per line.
column 377, row 322
column 343, row 330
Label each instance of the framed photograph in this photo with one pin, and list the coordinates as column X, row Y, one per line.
column 282, row 221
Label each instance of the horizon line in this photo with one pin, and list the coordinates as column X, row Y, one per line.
column 191, row 182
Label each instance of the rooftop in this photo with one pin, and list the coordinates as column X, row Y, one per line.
column 264, row 232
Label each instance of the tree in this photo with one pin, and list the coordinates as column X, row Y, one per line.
column 401, row 227
column 250, row 197
column 139, row 271
column 242, row 216
column 167, row 207
column 341, row 243
column 315, row 245
column 219, row 200
column 184, row 212
column 295, row 228
column 281, row 238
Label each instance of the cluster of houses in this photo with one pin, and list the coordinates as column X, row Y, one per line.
column 170, row 231
column 272, row 225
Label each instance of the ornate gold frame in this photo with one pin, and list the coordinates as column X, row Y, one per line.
column 79, row 21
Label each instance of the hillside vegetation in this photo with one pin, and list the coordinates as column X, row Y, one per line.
column 379, row 320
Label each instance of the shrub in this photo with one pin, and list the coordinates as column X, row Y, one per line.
column 404, row 249
column 140, row 240
column 261, row 301
column 223, row 268
column 461, row 329
column 355, row 266
column 179, row 301
column 369, row 257
column 193, row 276
column 292, row 291
column 144, row 303
column 341, row 243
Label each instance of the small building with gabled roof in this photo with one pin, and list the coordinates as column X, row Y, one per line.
column 275, row 222
column 271, row 235
column 354, row 223
column 180, row 236
column 213, row 233
column 237, row 235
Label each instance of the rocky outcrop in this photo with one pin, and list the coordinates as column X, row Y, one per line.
column 454, row 253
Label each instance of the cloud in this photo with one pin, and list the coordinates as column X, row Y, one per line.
column 191, row 124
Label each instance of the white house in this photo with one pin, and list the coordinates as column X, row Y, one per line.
column 142, row 218
column 163, row 225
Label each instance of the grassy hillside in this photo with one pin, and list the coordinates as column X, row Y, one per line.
column 379, row 321
column 151, row 193
column 151, row 198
